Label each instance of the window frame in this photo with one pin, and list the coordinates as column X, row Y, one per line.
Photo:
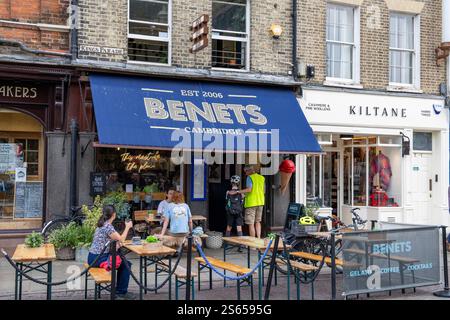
column 415, row 85
column 152, row 38
column 356, row 51
column 240, row 39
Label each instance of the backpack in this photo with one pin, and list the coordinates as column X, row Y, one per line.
column 234, row 204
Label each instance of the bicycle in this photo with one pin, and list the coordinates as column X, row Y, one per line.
column 61, row 221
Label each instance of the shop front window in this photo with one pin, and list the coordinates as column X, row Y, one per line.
column 133, row 170
column 313, row 177
column 376, row 172
column 359, row 176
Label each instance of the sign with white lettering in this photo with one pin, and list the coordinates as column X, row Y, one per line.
column 166, row 114
column 327, row 107
column 23, row 93
column 101, row 50
column 398, row 256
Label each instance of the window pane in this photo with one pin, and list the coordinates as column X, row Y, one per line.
column 228, row 54
column 149, row 30
column 347, row 176
column 339, row 60
column 228, row 16
column 340, row 24
column 33, row 169
column 402, row 31
column 33, row 144
column 423, row 141
column 32, row 156
column 146, row 10
column 401, row 66
column 359, row 176
column 148, row 51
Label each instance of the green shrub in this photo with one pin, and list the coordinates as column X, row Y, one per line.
column 34, row 240
column 120, row 202
column 65, row 237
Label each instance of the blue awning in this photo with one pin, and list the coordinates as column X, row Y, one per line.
column 165, row 114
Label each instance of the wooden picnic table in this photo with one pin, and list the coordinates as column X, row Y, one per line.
column 148, row 257
column 33, row 259
column 196, row 218
column 250, row 243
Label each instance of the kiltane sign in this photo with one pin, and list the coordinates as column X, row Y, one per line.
column 199, row 35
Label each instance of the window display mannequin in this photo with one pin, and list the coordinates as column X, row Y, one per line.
column 381, row 166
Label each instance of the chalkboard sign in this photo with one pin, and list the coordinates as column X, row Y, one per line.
column 294, row 212
column 28, row 199
column 97, row 184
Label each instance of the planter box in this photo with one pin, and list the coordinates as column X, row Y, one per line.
column 153, row 245
column 65, row 254
column 81, row 254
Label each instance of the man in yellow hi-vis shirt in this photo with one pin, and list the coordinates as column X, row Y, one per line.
column 254, row 200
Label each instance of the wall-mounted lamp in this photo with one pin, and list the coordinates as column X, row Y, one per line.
column 406, row 145
column 276, row 30
column 346, row 136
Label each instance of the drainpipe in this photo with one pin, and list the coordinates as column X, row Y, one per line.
column 294, row 40
column 74, row 16
column 446, row 32
column 73, row 201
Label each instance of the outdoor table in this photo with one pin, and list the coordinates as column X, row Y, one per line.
column 148, row 257
column 250, row 243
column 33, row 259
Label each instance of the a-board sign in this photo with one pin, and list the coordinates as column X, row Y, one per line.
column 28, row 199
column 97, row 184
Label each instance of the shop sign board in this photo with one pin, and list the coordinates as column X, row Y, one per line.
column 327, row 107
column 26, row 92
column 199, row 36
column 28, row 199
column 398, row 257
column 97, row 184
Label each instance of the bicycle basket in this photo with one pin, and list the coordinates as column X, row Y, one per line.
column 303, row 229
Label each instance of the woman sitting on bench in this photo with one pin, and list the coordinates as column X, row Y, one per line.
column 104, row 233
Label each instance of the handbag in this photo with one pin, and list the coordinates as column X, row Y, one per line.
column 107, row 265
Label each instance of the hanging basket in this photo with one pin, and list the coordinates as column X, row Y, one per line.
column 214, row 240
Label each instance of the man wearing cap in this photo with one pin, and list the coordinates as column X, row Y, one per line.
column 254, row 200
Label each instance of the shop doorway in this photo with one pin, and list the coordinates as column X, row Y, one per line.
column 218, row 184
column 421, row 187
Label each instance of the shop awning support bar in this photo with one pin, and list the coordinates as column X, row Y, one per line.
column 73, row 166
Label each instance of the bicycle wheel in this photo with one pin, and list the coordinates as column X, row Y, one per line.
column 53, row 225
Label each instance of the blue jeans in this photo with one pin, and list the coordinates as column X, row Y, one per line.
column 123, row 275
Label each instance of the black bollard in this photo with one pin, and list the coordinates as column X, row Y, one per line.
column 113, row 252
column 446, row 292
column 188, row 268
column 272, row 267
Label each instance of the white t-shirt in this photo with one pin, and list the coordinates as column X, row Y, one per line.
column 162, row 207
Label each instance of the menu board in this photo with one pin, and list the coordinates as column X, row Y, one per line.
column 11, row 157
column 97, row 184
column 28, row 199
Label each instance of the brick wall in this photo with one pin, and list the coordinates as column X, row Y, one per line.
column 35, row 12
column 374, row 56
column 103, row 24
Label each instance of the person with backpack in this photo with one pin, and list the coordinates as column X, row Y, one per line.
column 234, row 207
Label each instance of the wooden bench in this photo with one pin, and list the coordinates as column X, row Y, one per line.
column 102, row 280
column 227, row 266
column 180, row 276
column 298, row 266
column 318, row 258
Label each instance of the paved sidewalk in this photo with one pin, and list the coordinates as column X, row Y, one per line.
column 322, row 286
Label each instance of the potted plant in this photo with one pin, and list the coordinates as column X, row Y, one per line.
column 152, row 242
column 119, row 200
column 34, row 240
column 137, row 195
column 65, row 240
column 87, row 230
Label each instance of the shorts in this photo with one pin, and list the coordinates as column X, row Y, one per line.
column 235, row 218
column 253, row 214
